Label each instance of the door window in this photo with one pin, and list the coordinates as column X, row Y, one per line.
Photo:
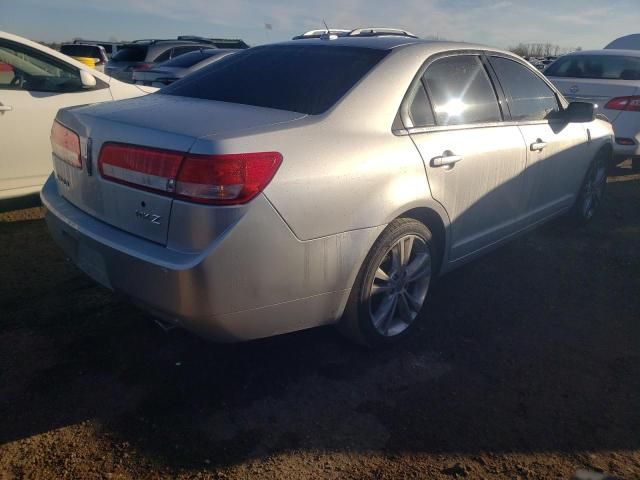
column 529, row 97
column 461, row 91
column 22, row 68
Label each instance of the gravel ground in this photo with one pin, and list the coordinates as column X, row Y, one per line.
column 526, row 365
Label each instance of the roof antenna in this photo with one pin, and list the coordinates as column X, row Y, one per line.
column 327, row 35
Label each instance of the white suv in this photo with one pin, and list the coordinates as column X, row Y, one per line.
column 35, row 82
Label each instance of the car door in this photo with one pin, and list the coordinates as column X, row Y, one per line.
column 557, row 151
column 472, row 158
column 33, row 87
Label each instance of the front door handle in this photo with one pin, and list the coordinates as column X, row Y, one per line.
column 448, row 159
column 5, row 108
column 538, row 146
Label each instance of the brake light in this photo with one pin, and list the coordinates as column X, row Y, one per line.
column 629, row 104
column 212, row 179
column 65, row 145
column 147, row 168
column 625, row 141
column 226, row 179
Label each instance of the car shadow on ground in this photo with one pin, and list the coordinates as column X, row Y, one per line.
column 533, row 348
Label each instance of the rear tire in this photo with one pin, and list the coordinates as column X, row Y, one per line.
column 592, row 189
column 635, row 165
column 391, row 287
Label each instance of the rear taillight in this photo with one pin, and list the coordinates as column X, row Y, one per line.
column 629, row 104
column 226, row 179
column 142, row 167
column 213, row 179
column 66, row 145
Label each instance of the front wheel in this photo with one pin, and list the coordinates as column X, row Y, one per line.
column 592, row 190
column 392, row 285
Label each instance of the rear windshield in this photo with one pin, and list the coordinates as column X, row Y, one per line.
column 89, row 51
column 187, row 60
column 131, row 54
column 605, row 67
column 306, row 79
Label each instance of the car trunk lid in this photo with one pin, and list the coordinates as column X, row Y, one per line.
column 596, row 91
column 140, row 203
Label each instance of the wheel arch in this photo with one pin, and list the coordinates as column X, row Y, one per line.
column 435, row 223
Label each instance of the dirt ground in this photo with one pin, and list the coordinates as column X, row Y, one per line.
column 526, row 365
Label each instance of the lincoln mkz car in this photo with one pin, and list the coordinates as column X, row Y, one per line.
column 321, row 181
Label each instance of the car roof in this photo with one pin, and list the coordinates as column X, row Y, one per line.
column 393, row 42
column 609, row 52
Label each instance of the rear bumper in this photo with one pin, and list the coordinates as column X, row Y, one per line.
column 627, row 125
column 254, row 280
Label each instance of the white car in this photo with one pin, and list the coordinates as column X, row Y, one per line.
column 35, row 82
column 611, row 80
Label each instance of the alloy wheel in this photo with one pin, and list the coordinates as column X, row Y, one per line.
column 594, row 188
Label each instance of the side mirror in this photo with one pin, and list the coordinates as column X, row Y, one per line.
column 580, row 112
column 87, row 80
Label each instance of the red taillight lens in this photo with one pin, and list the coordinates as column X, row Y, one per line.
column 66, row 145
column 143, row 167
column 213, row 179
column 226, row 179
column 629, row 104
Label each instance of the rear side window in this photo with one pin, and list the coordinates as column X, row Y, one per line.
column 76, row 50
column 461, row 91
column 529, row 97
column 307, row 79
column 419, row 111
column 131, row 54
column 612, row 67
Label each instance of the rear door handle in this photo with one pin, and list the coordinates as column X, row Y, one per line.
column 5, row 108
column 538, row 146
column 448, row 159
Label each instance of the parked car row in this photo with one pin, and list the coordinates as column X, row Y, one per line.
column 144, row 54
column 329, row 179
column 541, row 62
column 165, row 73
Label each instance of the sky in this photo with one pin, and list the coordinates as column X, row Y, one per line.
column 589, row 24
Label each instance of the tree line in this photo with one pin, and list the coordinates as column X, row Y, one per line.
column 541, row 50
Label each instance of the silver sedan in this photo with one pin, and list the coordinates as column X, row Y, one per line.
column 320, row 181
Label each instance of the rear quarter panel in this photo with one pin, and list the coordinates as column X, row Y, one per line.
column 344, row 170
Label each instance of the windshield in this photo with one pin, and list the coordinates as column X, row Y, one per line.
column 612, row 67
column 305, row 79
